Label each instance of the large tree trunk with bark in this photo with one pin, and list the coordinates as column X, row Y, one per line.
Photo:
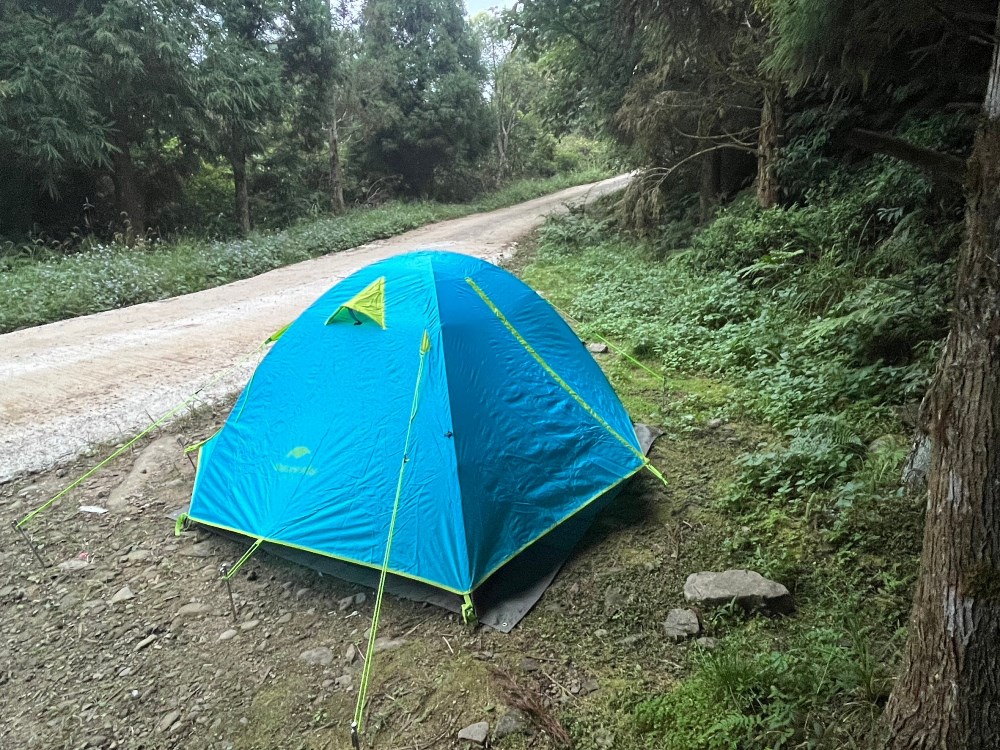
column 336, row 175
column 128, row 192
column 948, row 697
column 772, row 119
column 238, row 160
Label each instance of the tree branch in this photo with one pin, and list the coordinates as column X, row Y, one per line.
column 939, row 164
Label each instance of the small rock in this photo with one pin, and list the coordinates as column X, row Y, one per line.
column 123, row 595
column 360, row 598
column 590, row 686
column 73, row 565
column 597, row 348
column 228, row 635
column 681, row 624
column 714, row 424
column 194, row 609
column 302, row 593
column 512, row 722
column 351, row 655
column 600, row 633
column 749, row 589
column 476, row 733
column 168, row 721
column 345, row 603
column 707, row 643
column 143, row 643
column 138, row 555
column 614, row 600
column 320, row 657
column 285, row 618
column 388, row 644
column 249, row 625
column 201, row 549
column 529, row 665
column 343, row 682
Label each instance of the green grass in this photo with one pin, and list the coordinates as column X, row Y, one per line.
column 812, row 329
column 42, row 286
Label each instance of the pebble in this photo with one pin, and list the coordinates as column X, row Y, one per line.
column 322, row 656
column 123, row 595
column 351, row 655
column 476, row 733
column 512, row 722
column 285, row 618
column 194, row 609
column 168, row 721
column 145, row 642
column 249, row 625
column 228, row 635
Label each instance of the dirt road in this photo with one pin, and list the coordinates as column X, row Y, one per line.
column 91, row 380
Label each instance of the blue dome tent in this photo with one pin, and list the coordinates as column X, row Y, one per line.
column 431, row 400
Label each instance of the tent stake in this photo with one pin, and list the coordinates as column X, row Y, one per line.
column 31, row 545
column 223, row 570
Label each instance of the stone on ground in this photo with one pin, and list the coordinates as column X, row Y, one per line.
column 681, row 624
column 749, row 589
column 476, row 733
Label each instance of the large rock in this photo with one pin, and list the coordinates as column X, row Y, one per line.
column 749, row 589
column 319, row 657
column 681, row 624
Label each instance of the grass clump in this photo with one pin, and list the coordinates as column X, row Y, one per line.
column 40, row 285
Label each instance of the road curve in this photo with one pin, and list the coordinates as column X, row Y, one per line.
column 76, row 383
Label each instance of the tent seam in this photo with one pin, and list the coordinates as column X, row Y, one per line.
column 453, row 440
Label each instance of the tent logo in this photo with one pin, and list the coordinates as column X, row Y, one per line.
column 299, row 451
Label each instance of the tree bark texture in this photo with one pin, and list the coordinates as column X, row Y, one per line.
column 336, row 175
column 948, row 697
column 772, row 118
column 239, row 164
column 711, row 185
column 128, row 193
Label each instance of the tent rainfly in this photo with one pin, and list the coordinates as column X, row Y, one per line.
column 430, row 414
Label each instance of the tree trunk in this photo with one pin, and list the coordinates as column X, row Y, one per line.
column 336, row 176
column 238, row 161
column 710, row 187
column 128, row 194
column 768, row 139
column 948, row 697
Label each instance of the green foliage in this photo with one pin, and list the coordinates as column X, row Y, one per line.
column 745, row 696
column 825, row 318
column 39, row 285
column 424, row 112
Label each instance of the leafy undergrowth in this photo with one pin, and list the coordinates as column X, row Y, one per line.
column 39, row 285
column 817, row 327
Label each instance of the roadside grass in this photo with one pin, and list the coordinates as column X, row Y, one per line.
column 40, row 285
column 809, row 370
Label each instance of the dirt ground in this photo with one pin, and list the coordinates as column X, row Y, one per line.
column 127, row 640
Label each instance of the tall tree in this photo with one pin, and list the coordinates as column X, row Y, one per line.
column 241, row 92
column 948, row 696
column 424, row 111
column 513, row 83
column 143, row 84
column 312, row 63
